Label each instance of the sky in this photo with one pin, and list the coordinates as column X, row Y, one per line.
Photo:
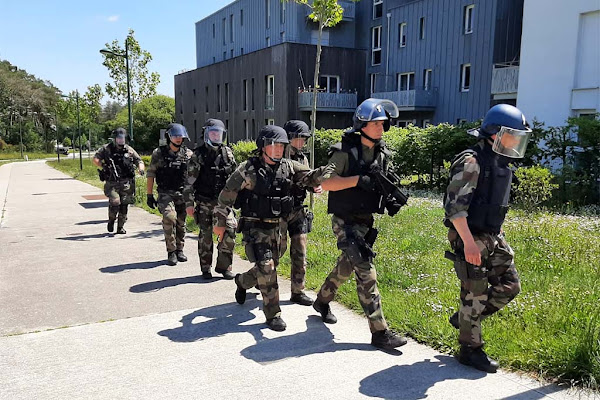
column 59, row 40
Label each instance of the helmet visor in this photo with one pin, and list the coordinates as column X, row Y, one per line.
column 120, row 140
column 376, row 109
column 274, row 148
column 214, row 135
column 511, row 142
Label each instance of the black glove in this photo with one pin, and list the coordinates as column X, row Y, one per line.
column 365, row 183
column 151, row 201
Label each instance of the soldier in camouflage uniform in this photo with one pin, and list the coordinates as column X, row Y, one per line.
column 352, row 201
column 475, row 206
column 299, row 222
column 169, row 165
column 118, row 162
column 211, row 164
column 261, row 188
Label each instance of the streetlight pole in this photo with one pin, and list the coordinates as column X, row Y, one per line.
column 56, row 126
column 21, row 134
column 79, row 130
column 110, row 53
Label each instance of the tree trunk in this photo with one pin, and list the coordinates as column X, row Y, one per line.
column 313, row 116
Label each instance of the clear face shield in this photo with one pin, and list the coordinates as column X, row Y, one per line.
column 297, row 143
column 274, row 149
column 120, row 140
column 214, row 135
column 511, row 142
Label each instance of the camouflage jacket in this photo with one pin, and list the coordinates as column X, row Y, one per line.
column 197, row 164
column 157, row 161
column 464, row 174
column 244, row 177
column 106, row 152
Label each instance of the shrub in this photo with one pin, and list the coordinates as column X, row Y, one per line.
column 533, row 186
column 242, row 150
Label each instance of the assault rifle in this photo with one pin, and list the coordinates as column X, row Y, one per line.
column 109, row 172
column 387, row 185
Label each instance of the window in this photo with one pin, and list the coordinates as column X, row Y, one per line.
column 427, row 79
column 231, row 28
column 269, row 121
column 214, row 31
column 252, row 95
column 461, row 121
column 253, row 129
column 214, row 60
column 206, row 97
column 373, row 83
column 270, row 94
column 241, row 17
column 268, row 41
column 422, row 28
column 267, row 14
column 282, row 37
column 218, row 98
column 227, row 97
column 194, row 92
column 426, row 122
column 377, row 9
column 245, row 95
column 282, row 12
column 406, row 81
column 224, row 55
column 402, row 34
column 195, row 131
column 465, row 77
column 404, row 123
column 329, row 83
column 231, row 54
column 227, row 124
column 468, row 23
column 223, row 23
column 242, row 51
column 376, row 45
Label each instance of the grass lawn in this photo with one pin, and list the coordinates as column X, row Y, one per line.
column 551, row 329
column 32, row 156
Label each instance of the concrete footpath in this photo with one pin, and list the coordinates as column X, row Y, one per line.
column 89, row 315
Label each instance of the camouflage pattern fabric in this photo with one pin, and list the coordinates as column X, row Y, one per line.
column 269, row 243
column 203, row 214
column 172, row 206
column 465, row 174
column 298, row 252
column 264, row 248
column 366, row 277
column 157, row 161
column 480, row 298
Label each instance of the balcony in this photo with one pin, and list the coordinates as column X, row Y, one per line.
column 411, row 100
column 505, row 81
column 349, row 10
column 586, row 99
column 345, row 102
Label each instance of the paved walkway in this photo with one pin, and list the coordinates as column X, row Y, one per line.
column 89, row 315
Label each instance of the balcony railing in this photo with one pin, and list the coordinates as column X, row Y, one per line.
column 505, row 79
column 410, row 100
column 327, row 101
column 349, row 8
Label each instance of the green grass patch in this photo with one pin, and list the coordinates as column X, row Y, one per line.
column 32, row 156
column 552, row 328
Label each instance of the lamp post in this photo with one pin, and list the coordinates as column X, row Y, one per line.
column 110, row 53
column 78, row 127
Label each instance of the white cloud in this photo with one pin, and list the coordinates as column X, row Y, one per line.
column 113, row 18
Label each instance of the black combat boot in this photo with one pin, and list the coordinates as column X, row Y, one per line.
column 476, row 358
column 325, row 311
column 387, row 339
column 121, row 230
column 301, row 298
column 206, row 275
column 180, row 256
column 454, row 320
column 240, row 292
column 226, row 274
column 276, row 324
column 172, row 258
column 111, row 225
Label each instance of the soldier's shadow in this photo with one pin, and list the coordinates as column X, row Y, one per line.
column 411, row 382
column 317, row 338
column 222, row 319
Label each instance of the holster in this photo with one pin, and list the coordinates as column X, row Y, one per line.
column 258, row 252
column 466, row 271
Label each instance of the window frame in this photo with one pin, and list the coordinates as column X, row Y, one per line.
column 377, row 4
column 468, row 19
column 402, row 34
column 463, row 77
column 421, row 28
column 427, row 75
column 270, row 92
column 410, row 78
column 374, row 49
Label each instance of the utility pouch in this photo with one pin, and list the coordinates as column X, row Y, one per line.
column 371, row 236
column 477, row 271
column 352, row 250
column 276, row 206
column 309, row 221
column 241, row 224
column 258, row 252
column 101, row 175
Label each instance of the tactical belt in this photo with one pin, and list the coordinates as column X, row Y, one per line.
column 260, row 223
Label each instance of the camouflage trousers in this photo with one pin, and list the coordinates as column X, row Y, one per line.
column 172, row 207
column 120, row 194
column 480, row 298
column 203, row 215
column 264, row 245
column 298, row 239
column 366, row 276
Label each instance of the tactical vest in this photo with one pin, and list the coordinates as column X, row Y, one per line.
column 298, row 192
column 354, row 200
column 489, row 204
column 173, row 173
column 123, row 161
column 270, row 197
column 217, row 166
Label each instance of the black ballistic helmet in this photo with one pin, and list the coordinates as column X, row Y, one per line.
column 296, row 128
column 219, row 133
column 119, row 132
column 271, row 134
column 177, row 130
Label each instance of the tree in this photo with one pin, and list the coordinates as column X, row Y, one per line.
column 327, row 14
column 149, row 117
column 143, row 83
